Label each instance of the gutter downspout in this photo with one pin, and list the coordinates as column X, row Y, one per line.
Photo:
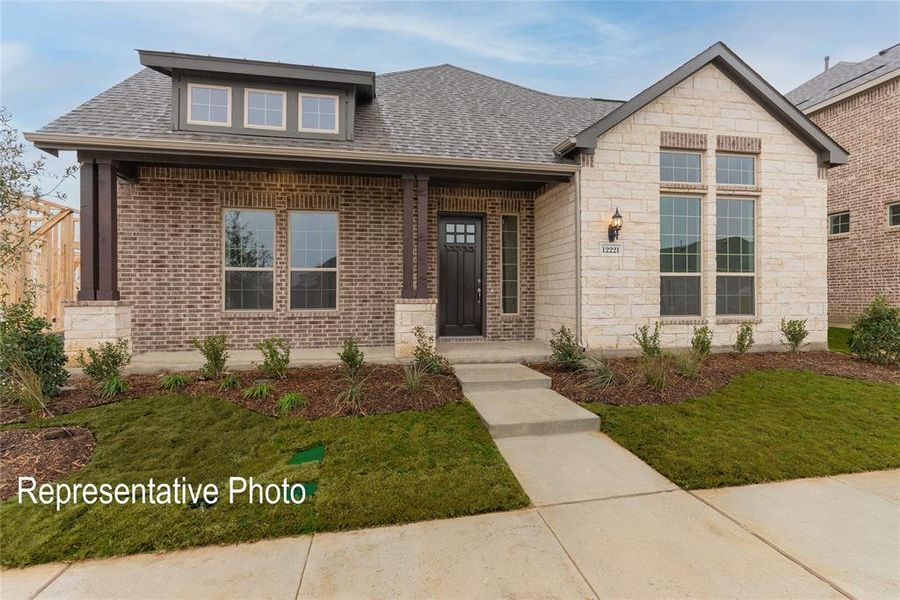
column 578, row 256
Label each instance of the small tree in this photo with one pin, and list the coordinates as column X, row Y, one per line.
column 565, row 351
column 876, row 333
column 793, row 332
column 649, row 342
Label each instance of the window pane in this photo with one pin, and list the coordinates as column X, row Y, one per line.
column 209, row 104
column 249, row 238
column 735, row 243
column 248, row 290
column 509, row 251
column 265, row 108
column 679, row 238
column 313, row 240
column 679, row 295
column 734, row 295
column 318, row 113
column 893, row 215
column 679, row 166
column 313, row 290
column 839, row 223
column 731, row 169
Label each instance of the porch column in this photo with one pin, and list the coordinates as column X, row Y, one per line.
column 422, row 238
column 88, row 225
column 107, row 232
column 408, row 236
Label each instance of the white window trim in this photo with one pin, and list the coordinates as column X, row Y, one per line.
column 755, row 158
column 226, row 269
column 337, row 113
column 190, row 105
column 754, row 274
column 247, row 123
column 700, row 153
column 701, row 273
column 337, row 259
column 849, row 223
column 518, row 264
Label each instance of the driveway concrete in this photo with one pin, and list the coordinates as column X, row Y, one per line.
column 509, row 555
column 846, row 528
column 576, row 467
column 19, row 584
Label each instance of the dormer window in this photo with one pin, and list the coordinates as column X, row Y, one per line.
column 209, row 105
column 264, row 109
column 318, row 113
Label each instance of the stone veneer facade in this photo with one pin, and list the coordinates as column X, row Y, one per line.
column 621, row 293
column 170, row 255
column 866, row 261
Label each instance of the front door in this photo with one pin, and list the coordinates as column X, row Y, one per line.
column 461, row 276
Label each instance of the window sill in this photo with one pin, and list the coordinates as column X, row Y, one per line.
column 682, row 186
column 683, row 321
column 737, row 320
column 732, row 188
column 245, row 314
column 313, row 312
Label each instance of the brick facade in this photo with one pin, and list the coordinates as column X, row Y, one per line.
column 170, row 255
column 866, row 261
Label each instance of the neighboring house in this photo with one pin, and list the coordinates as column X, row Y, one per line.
column 858, row 104
column 267, row 199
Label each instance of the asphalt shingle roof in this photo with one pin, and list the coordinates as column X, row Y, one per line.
column 443, row 111
column 844, row 77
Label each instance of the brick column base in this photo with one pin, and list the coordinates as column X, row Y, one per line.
column 89, row 322
column 410, row 313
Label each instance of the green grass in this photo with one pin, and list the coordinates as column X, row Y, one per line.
column 839, row 339
column 376, row 470
column 764, row 426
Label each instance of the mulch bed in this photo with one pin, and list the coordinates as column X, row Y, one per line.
column 716, row 371
column 46, row 454
column 383, row 392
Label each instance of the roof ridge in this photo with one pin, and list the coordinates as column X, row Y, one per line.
column 504, row 81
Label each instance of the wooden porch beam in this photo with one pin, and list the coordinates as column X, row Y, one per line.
column 88, row 225
column 107, row 238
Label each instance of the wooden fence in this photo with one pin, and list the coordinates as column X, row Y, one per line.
column 50, row 257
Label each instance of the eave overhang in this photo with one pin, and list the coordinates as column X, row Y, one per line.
column 830, row 152
column 167, row 62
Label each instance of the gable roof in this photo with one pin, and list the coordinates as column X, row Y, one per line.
column 830, row 152
column 845, row 77
column 441, row 111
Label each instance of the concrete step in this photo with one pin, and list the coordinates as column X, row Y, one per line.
column 535, row 411
column 499, row 377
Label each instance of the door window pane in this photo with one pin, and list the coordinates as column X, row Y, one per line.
column 509, row 250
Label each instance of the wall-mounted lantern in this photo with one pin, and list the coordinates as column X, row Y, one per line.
column 615, row 225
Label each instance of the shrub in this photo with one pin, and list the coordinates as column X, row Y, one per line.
column 27, row 339
column 687, row 364
column 352, row 357
column 565, row 351
column 599, row 373
column 648, row 342
column 229, row 382
column 793, row 333
column 876, row 333
column 291, row 401
column 744, row 339
column 414, row 377
column 425, row 355
column 105, row 365
column 212, row 347
column 276, row 357
column 352, row 395
column 701, row 342
column 257, row 391
column 655, row 372
column 24, row 388
column 173, row 382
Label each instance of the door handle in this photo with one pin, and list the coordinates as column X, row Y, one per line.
column 478, row 290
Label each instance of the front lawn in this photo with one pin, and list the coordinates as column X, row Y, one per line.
column 764, row 426
column 839, row 339
column 376, row 470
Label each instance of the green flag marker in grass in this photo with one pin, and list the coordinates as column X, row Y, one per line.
column 312, row 454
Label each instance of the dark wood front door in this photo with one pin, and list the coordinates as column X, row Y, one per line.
column 461, row 276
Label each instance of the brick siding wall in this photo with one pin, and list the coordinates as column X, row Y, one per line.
column 170, row 255
column 866, row 261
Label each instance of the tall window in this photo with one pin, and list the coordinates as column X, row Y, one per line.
column 735, row 169
column 679, row 255
column 209, row 105
column 249, row 243
column 509, row 248
column 679, row 166
column 839, row 223
column 313, row 262
column 318, row 113
column 264, row 109
column 735, row 256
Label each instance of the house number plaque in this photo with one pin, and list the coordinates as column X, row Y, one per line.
column 611, row 249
